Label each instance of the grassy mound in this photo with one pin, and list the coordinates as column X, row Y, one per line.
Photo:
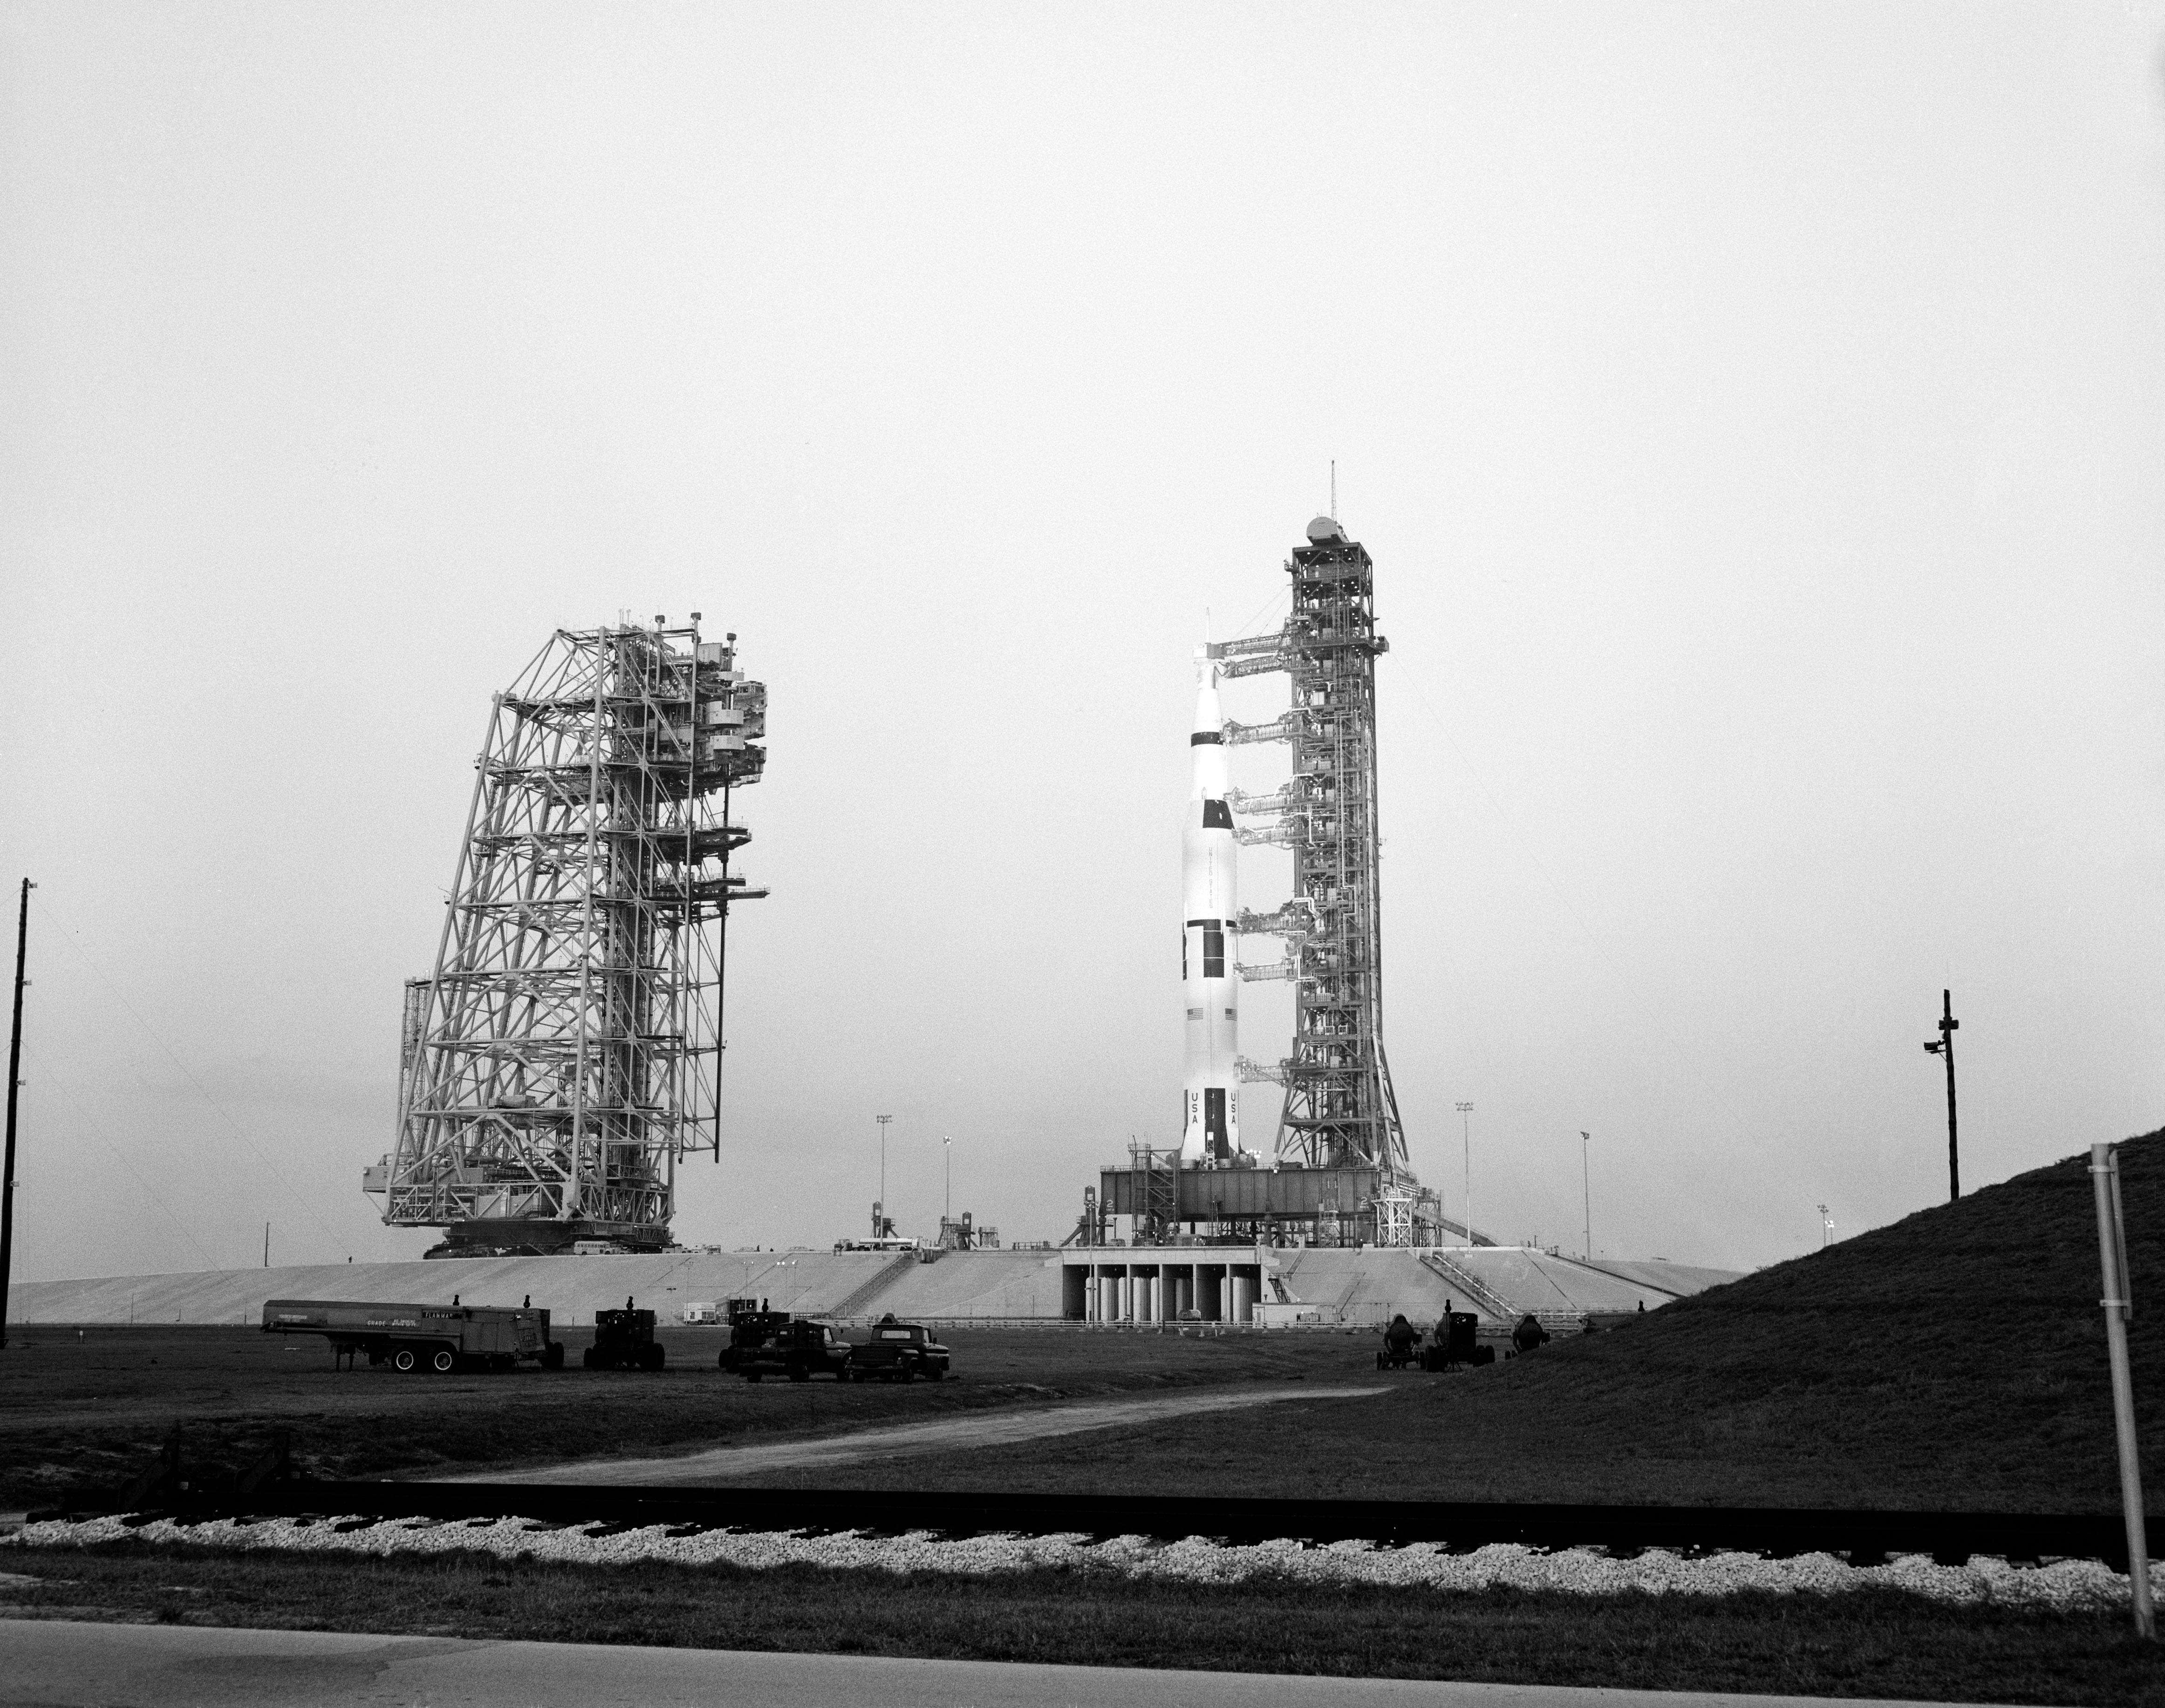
column 1954, row 1359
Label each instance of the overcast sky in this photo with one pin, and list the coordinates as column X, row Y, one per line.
column 1753, row 412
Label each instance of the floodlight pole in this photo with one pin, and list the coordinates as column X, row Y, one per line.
column 14, row 1084
column 2119, row 1306
column 1466, row 1132
column 880, row 1233
column 1944, row 1046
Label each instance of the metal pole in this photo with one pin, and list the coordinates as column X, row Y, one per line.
column 947, row 1148
column 1586, row 1175
column 1466, row 1132
column 1947, row 1025
column 2119, row 1306
column 880, row 1233
column 14, row 1084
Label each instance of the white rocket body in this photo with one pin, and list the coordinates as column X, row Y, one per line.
column 1210, row 1128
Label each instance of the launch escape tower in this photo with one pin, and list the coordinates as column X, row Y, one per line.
column 1339, row 1110
column 566, row 1053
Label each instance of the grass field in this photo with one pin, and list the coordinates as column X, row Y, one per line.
column 93, row 1409
column 1953, row 1359
column 1860, row 1645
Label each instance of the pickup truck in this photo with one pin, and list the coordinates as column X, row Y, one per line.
column 900, row 1352
column 798, row 1351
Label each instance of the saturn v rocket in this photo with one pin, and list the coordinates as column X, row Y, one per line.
column 1210, row 897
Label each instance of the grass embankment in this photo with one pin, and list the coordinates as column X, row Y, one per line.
column 94, row 1410
column 1863, row 1645
column 1955, row 1359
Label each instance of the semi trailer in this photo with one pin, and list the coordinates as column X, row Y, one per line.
column 438, row 1337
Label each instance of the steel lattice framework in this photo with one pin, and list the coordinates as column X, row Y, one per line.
column 566, row 1053
column 1339, row 1110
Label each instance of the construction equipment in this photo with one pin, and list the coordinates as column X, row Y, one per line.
column 438, row 1337
column 798, row 1350
column 565, row 1054
column 1401, row 1346
column 1454, row 1344
column 751, row 1325
column 624, row 1340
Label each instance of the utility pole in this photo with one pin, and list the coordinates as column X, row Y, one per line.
column 947, row 1149
column 1945, row 1046
column 2119, row 1306
column 880, row 1215
column 1466, row 1132
column 14, row 1084
column 266, row 1245
column 1826, row 1227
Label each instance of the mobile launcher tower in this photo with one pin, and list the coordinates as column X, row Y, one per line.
column 1340, row 1175
column 566, row 1053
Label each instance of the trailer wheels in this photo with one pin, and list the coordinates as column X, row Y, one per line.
column 403, row 1360
column 552, row 1356
column 652, row 1356
column 797, row 1372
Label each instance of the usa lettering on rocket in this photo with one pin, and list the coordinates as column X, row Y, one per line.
column 1210, row 1128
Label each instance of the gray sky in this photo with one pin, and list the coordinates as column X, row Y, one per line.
column 1753, row 412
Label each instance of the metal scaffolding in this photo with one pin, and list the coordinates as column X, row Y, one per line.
column 1339, row 1109
column 566, row 1053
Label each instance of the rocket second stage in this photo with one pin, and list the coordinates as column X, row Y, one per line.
column 1209, row 889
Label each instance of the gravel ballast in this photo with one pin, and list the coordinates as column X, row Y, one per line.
column 2069, row 1583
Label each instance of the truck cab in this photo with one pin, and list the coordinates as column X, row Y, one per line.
column 798, row 1350
column 901, row 1352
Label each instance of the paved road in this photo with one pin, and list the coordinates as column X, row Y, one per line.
column 969, row 1429
column 55, row 1663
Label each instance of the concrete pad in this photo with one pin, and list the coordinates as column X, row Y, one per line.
column 57, row 1663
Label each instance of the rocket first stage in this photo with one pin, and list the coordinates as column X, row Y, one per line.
column 1210, row 897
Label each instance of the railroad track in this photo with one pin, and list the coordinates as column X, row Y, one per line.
column 1863, row 1538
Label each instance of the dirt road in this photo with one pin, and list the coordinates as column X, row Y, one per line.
column 970, row 1430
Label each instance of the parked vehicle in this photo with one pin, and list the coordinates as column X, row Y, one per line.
column 751, row 1325
column 1454, row 1344
column 798, row 1350
column 437, row 1337
column 1401, row 1345
column 900, row 1352
column 624, row 1340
